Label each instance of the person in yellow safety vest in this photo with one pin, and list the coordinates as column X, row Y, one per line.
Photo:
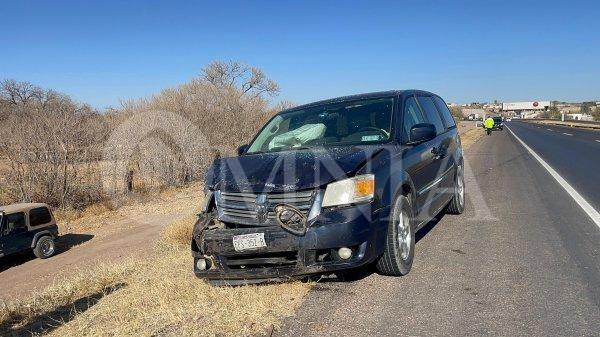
column 488, row 125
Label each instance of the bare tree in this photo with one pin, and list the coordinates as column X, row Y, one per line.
column 227, row 104
column 65, row 153
column 16, row 93
column 234, row 75
column 284, row 105
column 49, row 146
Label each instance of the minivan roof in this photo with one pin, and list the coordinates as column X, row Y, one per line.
column 369, row 95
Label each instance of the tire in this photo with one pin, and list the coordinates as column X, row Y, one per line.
column 44, row 247
column 457, row 204
column 397, row 258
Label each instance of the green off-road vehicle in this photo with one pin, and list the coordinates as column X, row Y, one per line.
column 25, row 227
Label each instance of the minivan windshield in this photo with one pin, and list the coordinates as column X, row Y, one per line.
column 355, row 122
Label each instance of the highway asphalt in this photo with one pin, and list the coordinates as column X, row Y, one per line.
column 524, row 259
column 573, row 152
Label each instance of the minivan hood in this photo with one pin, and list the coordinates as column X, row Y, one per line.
column 288, row 170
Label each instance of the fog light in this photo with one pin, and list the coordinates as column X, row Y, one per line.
column 201, row 264
column 345, row 253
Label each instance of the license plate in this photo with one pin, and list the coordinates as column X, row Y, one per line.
column 249, row 241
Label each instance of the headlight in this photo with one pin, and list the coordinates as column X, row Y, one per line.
column 350, row 191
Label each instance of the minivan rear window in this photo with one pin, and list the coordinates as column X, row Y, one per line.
column 448, row 119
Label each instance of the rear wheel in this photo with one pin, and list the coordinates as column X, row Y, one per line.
column 399, row 250
column 45, row 247
column 457, row 204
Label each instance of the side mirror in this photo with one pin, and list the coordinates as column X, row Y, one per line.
column 421, row 133
column 242, row 149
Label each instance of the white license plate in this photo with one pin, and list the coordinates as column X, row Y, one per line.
column 249, row 241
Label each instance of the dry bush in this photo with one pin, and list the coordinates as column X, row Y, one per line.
column 156, row 296
column 215, row 113
column 68, row 155
column 52, row 148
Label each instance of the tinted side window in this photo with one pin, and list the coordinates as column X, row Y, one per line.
column 433, row 116
column 412, row 115
column 15, row 223
column 39, row 216
column 443, row 108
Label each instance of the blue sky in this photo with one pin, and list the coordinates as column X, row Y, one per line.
column 104, row 51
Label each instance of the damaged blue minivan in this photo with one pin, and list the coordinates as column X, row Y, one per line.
column 329, row 187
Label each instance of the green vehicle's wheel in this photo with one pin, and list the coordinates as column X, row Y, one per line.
column 45, row 247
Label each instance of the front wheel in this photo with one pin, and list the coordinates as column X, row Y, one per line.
column 45, row 247
column 399, row 250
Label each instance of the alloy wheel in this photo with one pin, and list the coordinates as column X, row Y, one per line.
column 460, row 186
column 47, row 247
column 404, row 235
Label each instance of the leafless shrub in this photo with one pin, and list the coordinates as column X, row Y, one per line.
column 50, row 145
column 227, row 103
column 61, row 152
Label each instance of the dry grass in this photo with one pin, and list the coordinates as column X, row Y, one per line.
column 180, row 232
column 158, row 296
column 470, row 134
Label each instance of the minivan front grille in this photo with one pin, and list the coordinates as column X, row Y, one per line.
column 251, row 209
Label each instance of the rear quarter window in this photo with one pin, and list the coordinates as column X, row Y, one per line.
column 446, row 114
column 39, row 216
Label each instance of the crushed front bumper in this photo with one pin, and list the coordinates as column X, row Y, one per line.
column 287, row 255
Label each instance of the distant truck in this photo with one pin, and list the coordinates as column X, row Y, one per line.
column 28, row 226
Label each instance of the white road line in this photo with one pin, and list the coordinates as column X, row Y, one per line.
column 568, row 134
column 549, row 129
column 598, row 140
column 587, row 208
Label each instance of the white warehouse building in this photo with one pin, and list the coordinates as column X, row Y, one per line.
column 526, row 109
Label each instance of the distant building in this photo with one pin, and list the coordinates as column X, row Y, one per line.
column 496, row 107
column 566, row 108
column 581, row 117
column 526, row 109
column 473, row 114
